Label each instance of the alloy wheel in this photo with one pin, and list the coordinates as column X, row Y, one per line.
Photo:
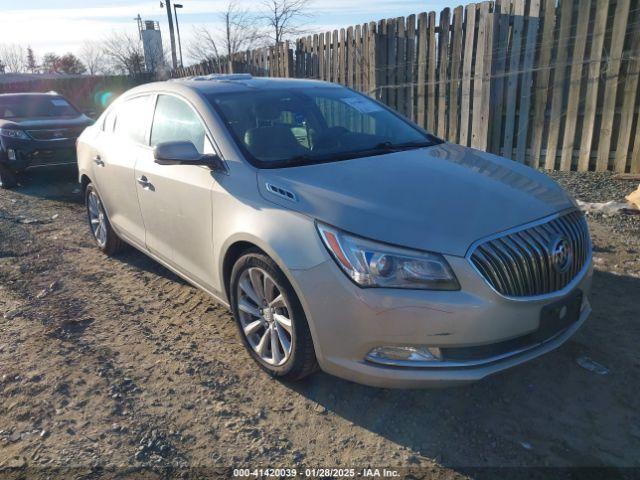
column 97, row 218
column 265, row 316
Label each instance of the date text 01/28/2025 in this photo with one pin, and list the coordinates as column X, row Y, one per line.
column 316, row 472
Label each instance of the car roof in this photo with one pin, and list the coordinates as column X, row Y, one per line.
column 30, row 94
column 219, row 83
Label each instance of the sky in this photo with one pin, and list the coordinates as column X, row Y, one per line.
column 61, row 26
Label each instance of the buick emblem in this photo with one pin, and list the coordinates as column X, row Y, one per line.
column 561, row 254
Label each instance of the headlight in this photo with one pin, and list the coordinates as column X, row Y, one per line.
column 373, row 264
column 13, row 133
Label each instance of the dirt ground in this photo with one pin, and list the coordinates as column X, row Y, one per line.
column 118, row 364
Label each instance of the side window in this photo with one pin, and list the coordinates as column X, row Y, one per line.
column 176, row 121
column 132, row 119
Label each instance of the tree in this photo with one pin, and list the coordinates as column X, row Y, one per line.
column 205, row 47
column 12, row 56
column 92, row 55
column 240, row 32
column 32, row 65
column 50, row 62
column 125, row 53
column 283, row 18
column 67, row 63
column 70, row 64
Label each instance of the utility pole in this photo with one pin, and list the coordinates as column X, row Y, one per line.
column 174, row 59
column 175, row 14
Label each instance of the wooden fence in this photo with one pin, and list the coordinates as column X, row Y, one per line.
column 551, row 83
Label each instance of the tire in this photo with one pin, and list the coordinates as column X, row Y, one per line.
column 103, row 234
column 8, row 179
column 300, row 361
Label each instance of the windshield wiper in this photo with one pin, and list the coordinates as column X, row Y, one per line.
column 393, row 147
column 380, row 148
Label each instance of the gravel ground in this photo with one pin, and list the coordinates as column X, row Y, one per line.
column 113, row 366
column 602, row 187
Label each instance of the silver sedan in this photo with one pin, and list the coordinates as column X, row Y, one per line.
column 341, row 235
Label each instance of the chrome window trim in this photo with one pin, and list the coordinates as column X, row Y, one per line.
column 552, row 295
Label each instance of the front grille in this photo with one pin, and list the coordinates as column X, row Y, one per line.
column 55, row 134
column 536, row 260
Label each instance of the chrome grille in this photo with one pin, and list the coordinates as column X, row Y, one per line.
column 527, row 262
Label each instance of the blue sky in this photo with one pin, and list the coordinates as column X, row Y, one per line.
column 62, row 25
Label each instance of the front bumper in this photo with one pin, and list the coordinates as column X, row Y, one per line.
column 34, row 153
column 347, row 322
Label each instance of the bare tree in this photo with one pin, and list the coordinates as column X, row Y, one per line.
column 284, row 18
column 93, row 57
column 204, row 46
column 124, row 53
column 13, row 57
column 240, row 33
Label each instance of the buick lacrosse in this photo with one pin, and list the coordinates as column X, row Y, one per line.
column 341, row 235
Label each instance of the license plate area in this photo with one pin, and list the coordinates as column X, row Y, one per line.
column 558, row 316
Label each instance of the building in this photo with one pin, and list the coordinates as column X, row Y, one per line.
column 152, row 45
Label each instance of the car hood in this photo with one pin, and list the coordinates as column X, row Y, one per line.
column 48, row 123
column 441, row 198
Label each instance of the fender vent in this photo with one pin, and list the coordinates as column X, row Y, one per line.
column 281, row 192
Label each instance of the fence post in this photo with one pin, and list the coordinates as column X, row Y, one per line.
column 373, row 66
column 467, row 63
column 543, row 74
column 481, row 84
column 526, row 93
column 611, row 84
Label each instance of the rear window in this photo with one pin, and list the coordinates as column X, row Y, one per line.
column 35, row 106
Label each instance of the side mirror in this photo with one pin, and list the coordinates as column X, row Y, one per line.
column 185, row 153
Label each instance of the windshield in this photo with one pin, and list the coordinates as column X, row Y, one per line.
column 277, row 128
column 35, row 106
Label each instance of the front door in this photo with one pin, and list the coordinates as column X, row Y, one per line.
column 175, row 200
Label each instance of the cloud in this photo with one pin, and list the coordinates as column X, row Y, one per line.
column 64, row 29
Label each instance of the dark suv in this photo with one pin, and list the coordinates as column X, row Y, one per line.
column 37, row 130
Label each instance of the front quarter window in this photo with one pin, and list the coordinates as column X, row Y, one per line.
column 176, row 121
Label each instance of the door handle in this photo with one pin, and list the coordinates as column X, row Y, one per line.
column 145, row 183
column 98, row 161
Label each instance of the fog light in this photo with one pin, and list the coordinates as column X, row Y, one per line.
column 394, row 355
column 11, row 153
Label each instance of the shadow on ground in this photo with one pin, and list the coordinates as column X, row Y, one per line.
column 550, row 411
column 137, row 259
column 59, row 183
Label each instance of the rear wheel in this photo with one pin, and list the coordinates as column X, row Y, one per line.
column 270, row 319
column 8, row 179
column 103, row 234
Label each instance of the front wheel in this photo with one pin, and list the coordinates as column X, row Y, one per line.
column 8, row 179
column 103, row 234
column 270, row 319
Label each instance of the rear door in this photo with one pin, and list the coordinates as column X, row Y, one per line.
column 121, row 142
column 175, row 200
